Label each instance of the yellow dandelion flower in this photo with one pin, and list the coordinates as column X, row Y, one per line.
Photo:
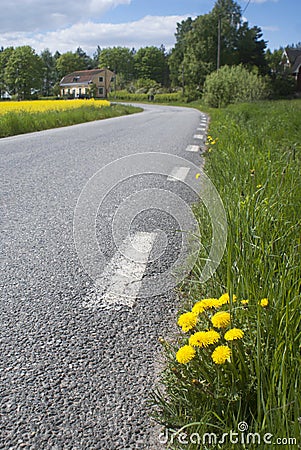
column 187, row 321
column 225, row 298
column 244, row 302
column 210, row 303
column 264, row 302
column 204, row 304
column 212, row 336
column 197, row 176
column 198, row 308
column 233, row 334
column 204, row 338
column 221, row 354
column 221, row 319
column 259, row 186
column 210, row 138
column 185, row 354
column 198, row 339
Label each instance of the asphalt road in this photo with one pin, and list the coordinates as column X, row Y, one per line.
column 78, row 359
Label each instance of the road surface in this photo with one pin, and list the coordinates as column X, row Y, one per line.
column 77, row 359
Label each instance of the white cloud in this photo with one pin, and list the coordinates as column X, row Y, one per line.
column 150, row 30
column 263, row 1
column 39, row 16
column 270, row 28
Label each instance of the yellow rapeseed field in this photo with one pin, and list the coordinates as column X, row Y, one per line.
column 36, row 106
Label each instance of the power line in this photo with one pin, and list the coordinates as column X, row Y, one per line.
column 246, row 6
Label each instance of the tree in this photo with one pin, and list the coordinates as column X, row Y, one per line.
column 151, row 63
column 69, row 62
column 283, row 83
column 88, row 62
column 96, row 55
column 4, row 57
column 176, row 57
column 196, row 50
column 49, row 72
column 24, row 72
column 120, row 60
column 251, row 48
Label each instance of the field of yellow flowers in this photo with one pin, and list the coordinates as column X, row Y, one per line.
column 28, row 116
column 38, row 106
column 233, row 369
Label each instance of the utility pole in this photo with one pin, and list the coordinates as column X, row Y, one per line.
column 183, row 80
column 219, row 26
column 115, row 81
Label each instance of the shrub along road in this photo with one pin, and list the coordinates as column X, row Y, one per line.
column 75, row 371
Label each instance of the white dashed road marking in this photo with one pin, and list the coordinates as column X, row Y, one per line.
column 192, row 148
column 178, row 174
column 198, row 136
column 122, row 278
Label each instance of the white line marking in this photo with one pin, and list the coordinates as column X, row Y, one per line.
column 198, row 136
column 178, row 174
column 192, row 148
column 201, row 129
column 122, row 278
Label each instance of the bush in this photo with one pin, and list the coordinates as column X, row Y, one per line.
column 283, row 85
column 125, row 95
column 233, row 84
column 169, row 97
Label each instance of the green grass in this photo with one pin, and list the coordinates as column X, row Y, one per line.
column 255, row 166
column 23, row 122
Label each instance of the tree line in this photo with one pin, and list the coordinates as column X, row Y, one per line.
column 204, row 44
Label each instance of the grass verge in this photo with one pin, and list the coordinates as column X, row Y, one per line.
column 13, row 123
column 246, row 381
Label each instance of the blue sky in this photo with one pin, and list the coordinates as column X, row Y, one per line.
column 67, row 25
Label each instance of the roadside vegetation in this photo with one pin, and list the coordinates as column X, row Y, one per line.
column 29, row 116
column 235, row 363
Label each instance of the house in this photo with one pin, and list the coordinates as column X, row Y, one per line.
column 292, row 60
column 87, row 83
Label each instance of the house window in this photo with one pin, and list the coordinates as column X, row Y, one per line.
column 100, row 79
column 100, row 91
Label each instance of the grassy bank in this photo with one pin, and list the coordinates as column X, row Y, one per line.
column 235, row 365
column 22, row 121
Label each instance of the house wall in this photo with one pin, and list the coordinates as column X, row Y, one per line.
column 75, row 91
column 103, row 82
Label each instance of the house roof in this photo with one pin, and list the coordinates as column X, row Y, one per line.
column 297, row 64
column 80, row 77
column 293, row 54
